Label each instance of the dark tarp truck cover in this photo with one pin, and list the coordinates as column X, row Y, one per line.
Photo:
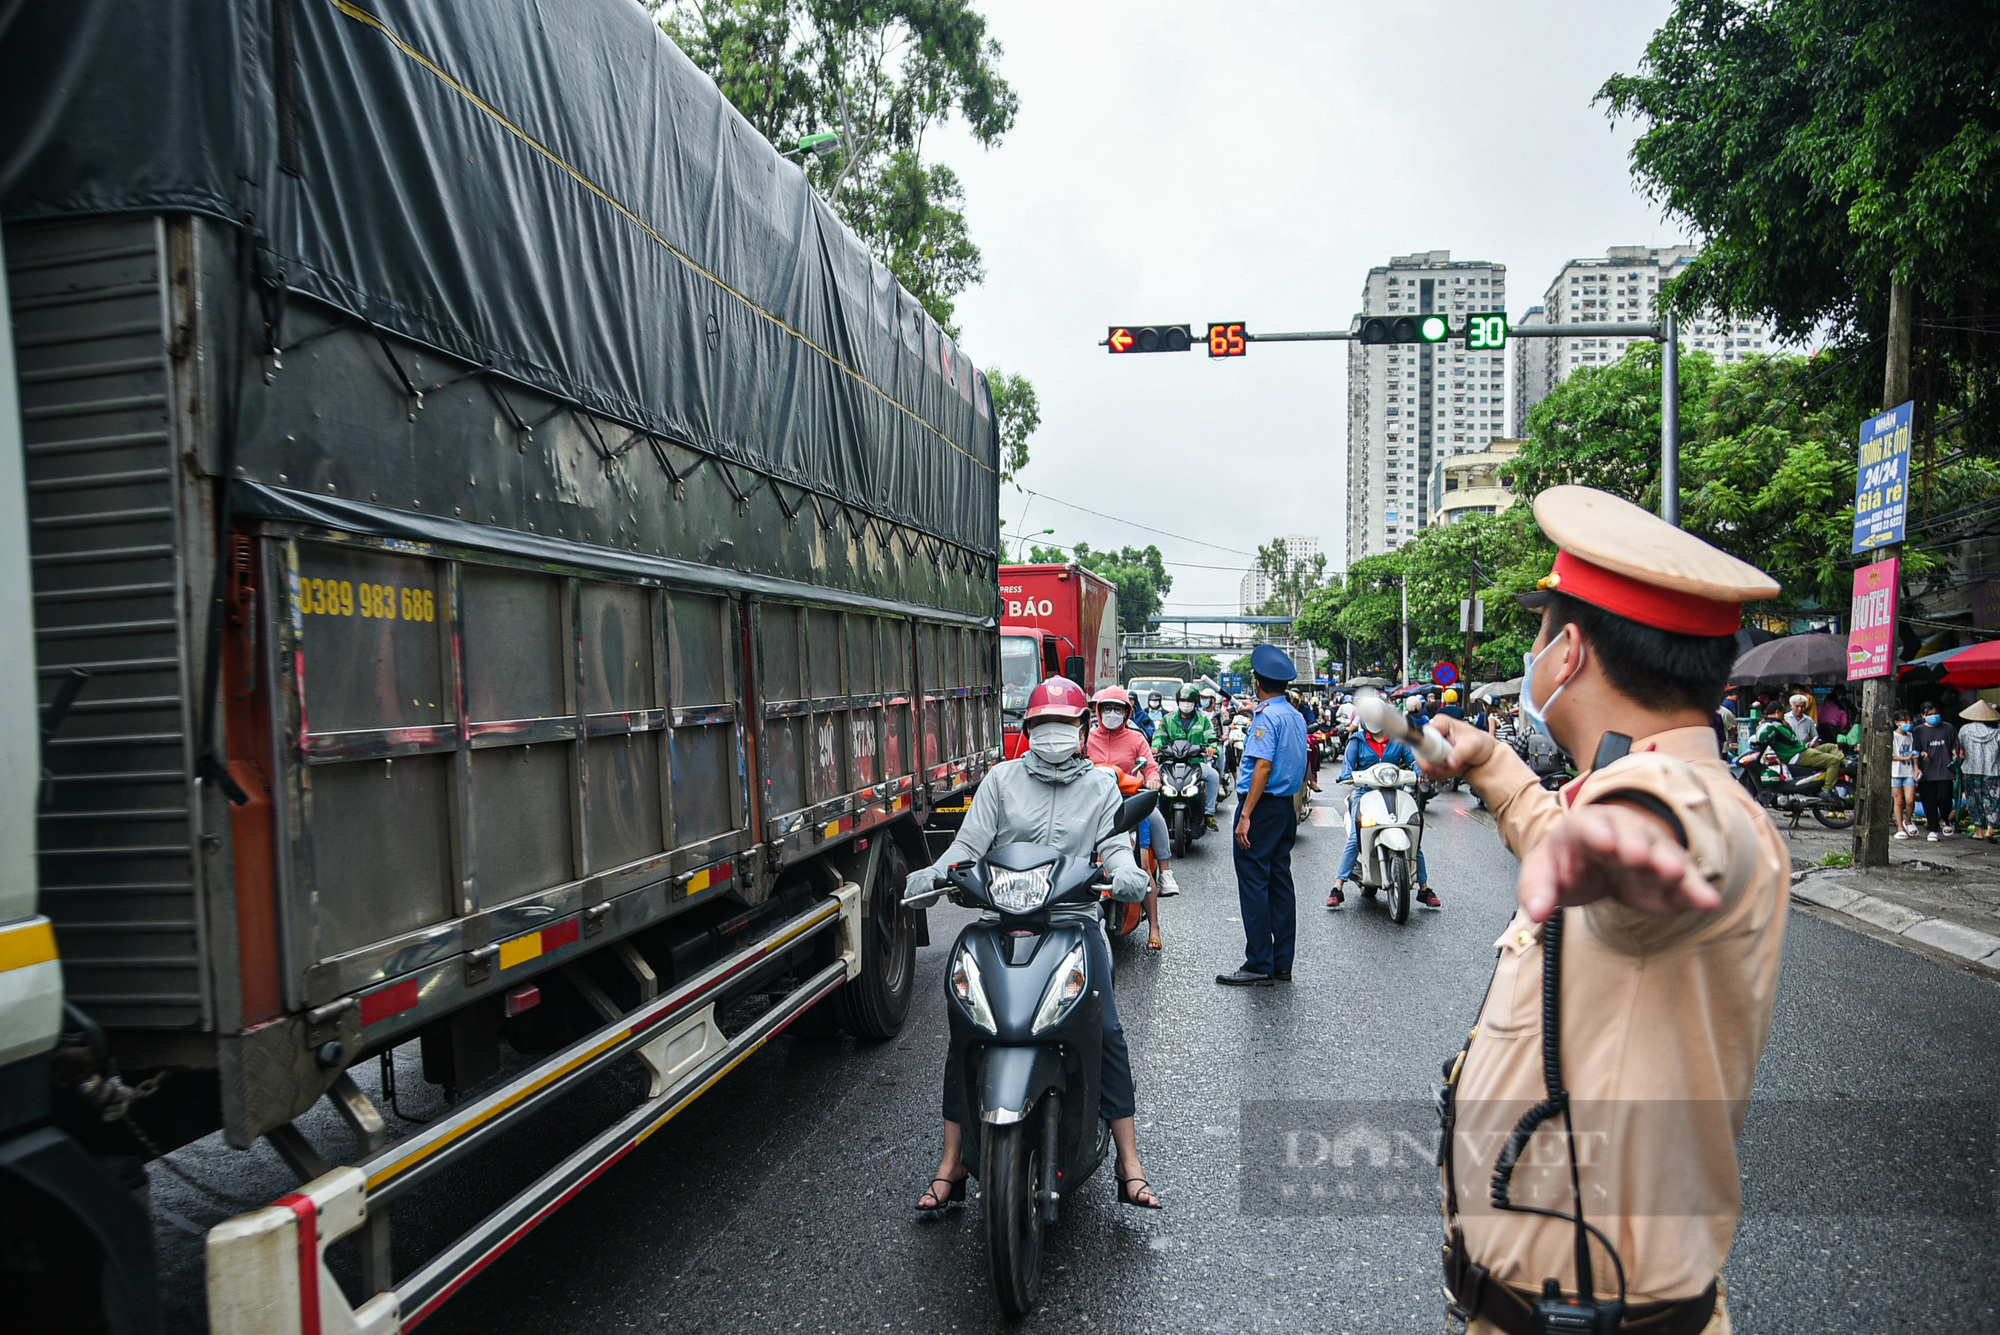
column 549, row 190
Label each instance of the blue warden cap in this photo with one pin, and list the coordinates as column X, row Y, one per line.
column 1269, row 661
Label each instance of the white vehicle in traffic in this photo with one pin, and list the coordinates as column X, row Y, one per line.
column 1391, row 824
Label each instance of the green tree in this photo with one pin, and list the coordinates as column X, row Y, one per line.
column 878, row 73
column 1767, row 461
column 1019, row 414
column 1601, row 427
column 1364, row 610
column 1822, row 148
column 1289, row 578
column 1140, row 574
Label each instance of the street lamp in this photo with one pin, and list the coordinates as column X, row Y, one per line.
column 819, row 145
column 1021, row 541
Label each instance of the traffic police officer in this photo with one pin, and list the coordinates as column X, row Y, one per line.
column 1274, row 765
column 1671, row 886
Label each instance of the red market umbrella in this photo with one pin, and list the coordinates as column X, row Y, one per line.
column 1974, row 669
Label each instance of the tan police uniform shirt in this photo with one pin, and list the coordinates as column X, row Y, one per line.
column 1663, row 1019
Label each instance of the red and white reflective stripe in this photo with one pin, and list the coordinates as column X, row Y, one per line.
column 307, row 1214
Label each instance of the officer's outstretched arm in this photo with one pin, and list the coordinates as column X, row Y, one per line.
column 1614, row 851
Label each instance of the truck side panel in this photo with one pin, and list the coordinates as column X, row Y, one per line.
column 89, row 306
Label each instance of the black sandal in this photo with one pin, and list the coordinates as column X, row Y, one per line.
column 954, row 1195
column 1131, row 1198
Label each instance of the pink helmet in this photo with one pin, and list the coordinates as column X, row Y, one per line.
column 1112, row 695
column 1057, row 698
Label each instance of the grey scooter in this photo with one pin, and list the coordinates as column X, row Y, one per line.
column 1026, row 1009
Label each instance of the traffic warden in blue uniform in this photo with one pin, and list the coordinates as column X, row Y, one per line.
column 1274, row 765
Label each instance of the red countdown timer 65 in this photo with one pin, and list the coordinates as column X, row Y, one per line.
column 1227, row 340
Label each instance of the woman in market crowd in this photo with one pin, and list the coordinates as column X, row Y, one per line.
column 1834, row 715
column 1937, row 742
column 1979, row 769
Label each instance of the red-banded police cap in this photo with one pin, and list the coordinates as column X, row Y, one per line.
column 1631, row 562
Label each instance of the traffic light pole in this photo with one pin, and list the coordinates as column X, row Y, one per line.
column 1665, row 333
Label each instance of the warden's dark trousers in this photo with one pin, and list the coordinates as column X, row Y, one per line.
column 1264, row 886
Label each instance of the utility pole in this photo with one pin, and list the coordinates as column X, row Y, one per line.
column 1406, row 631
column 1471, row 616
column 1670, row 421
column 1873, row 814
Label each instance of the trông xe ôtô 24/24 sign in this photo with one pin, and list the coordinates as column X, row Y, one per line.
column 1882, row 480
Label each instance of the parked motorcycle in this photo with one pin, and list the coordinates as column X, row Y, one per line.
column 1026, row 1015
column 1794, row 792
column 1183, row 795
column 1391, row 823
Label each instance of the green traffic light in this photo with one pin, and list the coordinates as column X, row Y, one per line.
column 1433, row 329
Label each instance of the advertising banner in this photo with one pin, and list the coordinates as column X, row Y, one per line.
column 1882, row 480
column 1871, row 636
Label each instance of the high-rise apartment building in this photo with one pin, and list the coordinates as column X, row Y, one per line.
column 1531, row 383
column 1621, row 287
column 1411, row 404
column 1300, row 548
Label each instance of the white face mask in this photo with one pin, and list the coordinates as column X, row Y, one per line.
column 1055, row 742
column 1187, row 706
column 1111, row 720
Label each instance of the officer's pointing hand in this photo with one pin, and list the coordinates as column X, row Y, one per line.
column 1470, row 747
column 1613, row 850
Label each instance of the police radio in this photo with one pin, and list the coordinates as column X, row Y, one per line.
column 1554, row 1312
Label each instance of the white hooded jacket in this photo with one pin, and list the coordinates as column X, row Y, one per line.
column 1069, row 806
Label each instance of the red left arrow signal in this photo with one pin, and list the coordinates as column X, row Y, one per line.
column 1120, row 340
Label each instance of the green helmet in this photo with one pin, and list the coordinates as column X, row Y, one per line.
column 1189, row 692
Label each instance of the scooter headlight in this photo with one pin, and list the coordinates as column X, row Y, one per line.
column 1368, row 821
column 971, row 993
column 1019, row 891
column 1065, row 990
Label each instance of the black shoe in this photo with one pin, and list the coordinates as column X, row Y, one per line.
column 1429, row 898
column 1281, row 975
column 1334, row 898
column 1244, row 978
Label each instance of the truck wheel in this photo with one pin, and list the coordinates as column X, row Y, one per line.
column 875, row 1004
column 1008, row 1188
column 1399, row 887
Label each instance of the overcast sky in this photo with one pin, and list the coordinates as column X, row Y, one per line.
column 1182, row 162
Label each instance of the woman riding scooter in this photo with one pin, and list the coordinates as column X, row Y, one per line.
column 1123, row 748
column 1052, row 795
column 1369, row 749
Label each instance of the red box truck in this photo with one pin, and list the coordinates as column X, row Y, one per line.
column 1056, row 620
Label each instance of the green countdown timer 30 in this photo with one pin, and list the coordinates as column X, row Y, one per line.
column 1486, row 332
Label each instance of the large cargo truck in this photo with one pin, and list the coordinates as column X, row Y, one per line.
column 526, row 575
column 1055, row 621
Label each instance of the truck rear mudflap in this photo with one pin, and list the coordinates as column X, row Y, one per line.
column 267, row 1270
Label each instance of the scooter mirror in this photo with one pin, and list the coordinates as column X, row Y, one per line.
column 1132, row 812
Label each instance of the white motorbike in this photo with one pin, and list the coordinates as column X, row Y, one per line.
column 1391, row 823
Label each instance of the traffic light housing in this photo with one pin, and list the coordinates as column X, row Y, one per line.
column 1404, row 329
column 1127, row 338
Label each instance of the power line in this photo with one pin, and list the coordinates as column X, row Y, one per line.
column 1177, row 565
column 1147, row 528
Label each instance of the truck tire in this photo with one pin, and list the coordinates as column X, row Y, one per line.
column 874, row 1005
column 1008, row 1188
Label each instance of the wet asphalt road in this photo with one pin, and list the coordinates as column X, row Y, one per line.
column 781, row 1200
